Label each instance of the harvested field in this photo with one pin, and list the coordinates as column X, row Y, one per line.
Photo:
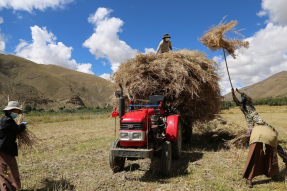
column 73, row 155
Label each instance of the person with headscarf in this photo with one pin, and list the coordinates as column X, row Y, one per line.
column 263, row 143
column 164, row 45
column 9, row 172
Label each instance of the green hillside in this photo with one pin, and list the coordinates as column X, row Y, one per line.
column 50, row 86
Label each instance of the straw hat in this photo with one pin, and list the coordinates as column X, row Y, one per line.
column 166, row 36
column 12, row 105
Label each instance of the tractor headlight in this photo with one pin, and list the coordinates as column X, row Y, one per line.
column 124, row 136
column 137, row 136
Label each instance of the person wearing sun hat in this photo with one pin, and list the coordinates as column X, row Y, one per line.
column 9, row 172
column 164, row 45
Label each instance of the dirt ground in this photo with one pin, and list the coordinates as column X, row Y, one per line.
column 73, row 155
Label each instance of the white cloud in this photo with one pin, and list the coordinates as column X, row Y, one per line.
column 276, row 10
column 217, row 59
column 104, row 63
column 261, row 13
column 106, row 76
column 29, row 5
column 105, row 42
column 2, row 42
column 265, row 57
column 149, row 50
column 85, row 67
column 45, row 50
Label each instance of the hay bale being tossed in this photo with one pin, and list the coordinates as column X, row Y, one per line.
column 187, row 78
column 216, row 38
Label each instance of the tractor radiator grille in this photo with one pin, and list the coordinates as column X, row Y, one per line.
column 131, row 126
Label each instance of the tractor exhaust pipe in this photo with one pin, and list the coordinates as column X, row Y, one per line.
column 121, row 102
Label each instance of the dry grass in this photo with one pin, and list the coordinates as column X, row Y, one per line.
column 188, row 79
column 73, row 155
column 26, row 138
column 216, row 38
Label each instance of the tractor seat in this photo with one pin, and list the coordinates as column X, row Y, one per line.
column 156, row 99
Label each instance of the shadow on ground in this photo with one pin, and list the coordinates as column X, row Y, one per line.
column 179, row 167
column 278, row 178
column 55, row 185
column 212, row 141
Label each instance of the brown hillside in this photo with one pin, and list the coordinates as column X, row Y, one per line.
column 274, row 86
column 48, row 86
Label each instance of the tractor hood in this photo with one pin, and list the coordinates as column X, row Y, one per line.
column 137, row 115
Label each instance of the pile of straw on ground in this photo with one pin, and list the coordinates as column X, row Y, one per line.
column 216, row 38
column 187, row 78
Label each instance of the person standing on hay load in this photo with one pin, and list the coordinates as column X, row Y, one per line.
column 263, row 149
column 9, row 172
column 164, row 45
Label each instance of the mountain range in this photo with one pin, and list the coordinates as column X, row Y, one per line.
column 274, row 86
column 50, row 86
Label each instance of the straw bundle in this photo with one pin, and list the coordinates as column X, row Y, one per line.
column 187, row 78
column 216, row 38
column 26, row 138
column 239, row 141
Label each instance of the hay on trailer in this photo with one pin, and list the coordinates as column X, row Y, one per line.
column 187, row 78
column 216, row 38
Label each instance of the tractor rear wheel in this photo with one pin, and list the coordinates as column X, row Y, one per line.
column 117, row 164
column 166, row 155
column 176, row 145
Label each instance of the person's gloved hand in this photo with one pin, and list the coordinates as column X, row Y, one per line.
column 24, row 123
column 232, row 90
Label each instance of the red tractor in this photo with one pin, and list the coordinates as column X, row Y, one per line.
column 146, row 130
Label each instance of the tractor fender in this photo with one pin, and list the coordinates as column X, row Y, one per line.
column 171, row 127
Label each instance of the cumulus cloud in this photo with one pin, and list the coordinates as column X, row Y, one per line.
column 105, row 42
column 106, row 76
column 29, row 5
column 265, row 57
column 2, row 42
column 275, row 9
column 261, row 13
column 149, row 50
column 45, row 50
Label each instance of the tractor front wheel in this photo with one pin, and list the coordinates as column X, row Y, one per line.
column 176, row 145
column 117, row 164
column 166, row 155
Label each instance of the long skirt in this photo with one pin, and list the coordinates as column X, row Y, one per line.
column 9, row 173
column 259, row 163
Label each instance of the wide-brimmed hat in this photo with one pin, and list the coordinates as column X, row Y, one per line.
column 166, row 36
column 12, row 105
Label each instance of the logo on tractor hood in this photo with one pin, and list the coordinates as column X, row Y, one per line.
column 130, row 126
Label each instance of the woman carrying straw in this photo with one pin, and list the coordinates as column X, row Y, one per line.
column 9, row 173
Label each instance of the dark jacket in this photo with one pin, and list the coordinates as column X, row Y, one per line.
column 8, row 132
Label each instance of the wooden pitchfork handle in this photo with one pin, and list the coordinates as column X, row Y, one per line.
column 227, row 68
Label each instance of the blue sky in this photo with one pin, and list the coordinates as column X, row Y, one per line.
column 96, row 36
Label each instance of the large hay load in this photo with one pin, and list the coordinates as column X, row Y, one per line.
column 187, row 78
